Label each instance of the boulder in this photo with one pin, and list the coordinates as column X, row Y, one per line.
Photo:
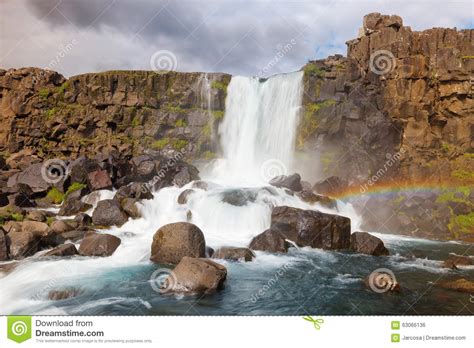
column 81, row 167
column 454, row 260
column 143, row 167
column 291, row 182
column 239, row 197
column 271, row 241
column 63, row 250
column 99, row 180
column 134, row 190
column 3, row 246
column 72, row 206
column 209, row 251
column 99, row 244
column 37, row 215
column 310, row 197
column 82, row 219
column 235, row 254
column 174, row 241
column 185, row 175
column 365, row 243
column 184, row 196
column 21, row 200
column 57, row 295
column 22, row 244
column 312, row 228
column 60, row 226
column 129, row 206
column 40, row 229
column 109, row 213
column 196, row 275
column 461, row 285
column 34, row 178
column 331, row 186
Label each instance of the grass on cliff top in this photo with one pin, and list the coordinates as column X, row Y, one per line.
column 311, row 69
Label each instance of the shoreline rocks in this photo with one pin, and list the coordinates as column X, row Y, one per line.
column 99, row 244
column 365, row 243
column 270, row 241
column 234, row 254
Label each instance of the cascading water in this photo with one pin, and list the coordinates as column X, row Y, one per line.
column 259, row 126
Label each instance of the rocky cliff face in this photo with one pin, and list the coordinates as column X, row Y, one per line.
column 127, row 111
column 397, row 111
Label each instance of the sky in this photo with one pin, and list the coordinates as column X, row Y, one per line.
column 252, row 37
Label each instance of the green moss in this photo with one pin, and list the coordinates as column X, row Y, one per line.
column 467, row 57
column 55, row 196
column 447, row 148
column 398, row 200
column 219, row 85
column 61, row 89
column 50, row 220
column 75, row 186
column 208, row 155
column 174, row 109
column 463, row 175
column 44, row 93
column 135, row 122
column 462, row 224
column 218, row 115
column 179, row 144
column 51, row 112
column 160, row 144
column 16, row 217
column 180, row 123
column 311, row 69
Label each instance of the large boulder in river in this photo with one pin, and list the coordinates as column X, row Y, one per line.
column 271, row 241
column 292, row 182
column 174, row 241
column 235, row 254
column 312, row 228
column 365, row 243
column 195, row 275
column 109, row 213
column 99, row 244
column 63, row 250
column 22, row 244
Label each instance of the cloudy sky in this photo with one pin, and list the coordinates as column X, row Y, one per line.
column 235, row 36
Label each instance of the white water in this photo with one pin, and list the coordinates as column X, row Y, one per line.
column 257, row 135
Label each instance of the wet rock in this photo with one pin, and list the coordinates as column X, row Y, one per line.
column 331, row 186
column 365, row 243
column 63, row 250
column 99, row 244
column 129, row 206
column 461, row 285
column 239, row 197
column 184, row 196
column 109, row 213
column 72, row 206
column 174, row 241
column 40, row 229
column 270, row 241
column 82, row 220
column 143, row 167
column 235, row 254
column 37, row 215
column 454, row 260
column 60, row 226
column 57, row 295
column 312, row 228
column 134, row 190
column 185, row 175
column 291, row 182
column 199, row 184
column 34, row 178
column 71, row 236
column 99, row 180
column 22, row 244
column 209, row 251
column 81, row 167
column 196, row 275
column 3, row 246
column 310, row 197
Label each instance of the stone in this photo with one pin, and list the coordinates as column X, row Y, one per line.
column 129, row 206
column 36, row 215
column 184, row 196
column 63, row 250
column 365, row 243
column 197, row 276
column 34, row 178
column 270, row 241
column 60, row 226
column 174, row 241
column 99, row 244
column 235, row 254
column 57, row 295
column 291, row 182
column 312, row 228
column 454, row 260
column 134, row 190
column 312, row 198
column 461, row 285
column 331, row 186
column 99, row 180
column 22, row 244
column 82, row 220
column 72, row 206
column 143, row 167
column 109, row 213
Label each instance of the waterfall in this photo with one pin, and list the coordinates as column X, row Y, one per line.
column 259, row 127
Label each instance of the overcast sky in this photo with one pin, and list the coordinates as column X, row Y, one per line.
column 238, row 37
